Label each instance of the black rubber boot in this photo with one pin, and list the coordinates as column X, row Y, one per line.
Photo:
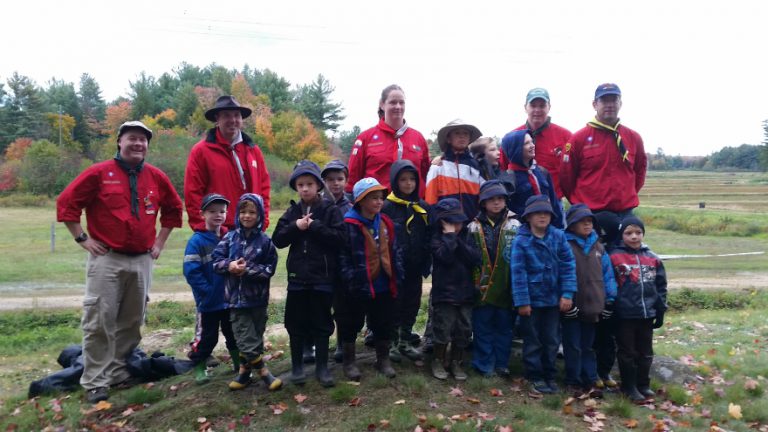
column 644, row 377
column 383, row 364
column 351, row 371
column 309, row 352
column 234, row 354
column 322, row 373
column 298, row 377
column 338, row 355
column 629, row 382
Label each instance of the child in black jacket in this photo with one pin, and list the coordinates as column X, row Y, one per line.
column 313, row 228
column 455, row 257
column 409, row 214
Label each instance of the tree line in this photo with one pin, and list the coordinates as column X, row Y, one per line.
column 49, row 133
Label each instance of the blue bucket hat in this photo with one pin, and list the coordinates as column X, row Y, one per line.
column 492, row 188
column 364, row 186
column 306, row 167
column 578, row 212
column 449, row 210
column 537, row 203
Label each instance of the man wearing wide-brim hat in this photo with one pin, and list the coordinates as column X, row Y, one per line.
column 226, row 161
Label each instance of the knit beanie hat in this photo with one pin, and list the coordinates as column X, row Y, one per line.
column 492, row 188
column 607, row 226
column 537, row 203
column 365, row 186
column 306, row 167
column 630, row 220
column 335, row 165
column 578, row 212
column 449, row 210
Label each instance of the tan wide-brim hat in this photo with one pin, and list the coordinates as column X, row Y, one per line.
column 442, row 135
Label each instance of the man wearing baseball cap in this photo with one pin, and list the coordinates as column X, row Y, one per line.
column 549, row 139
column 122, row 199
column 604, row 163
column 226, row 161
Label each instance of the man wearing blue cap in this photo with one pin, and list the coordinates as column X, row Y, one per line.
column 549, row 139
column 604, row 163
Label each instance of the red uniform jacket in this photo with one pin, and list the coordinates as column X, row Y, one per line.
column 212, row 168
column 592, row 171
column 376, row 149
column 103, row 190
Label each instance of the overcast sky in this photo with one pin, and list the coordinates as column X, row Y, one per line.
column 692, row 73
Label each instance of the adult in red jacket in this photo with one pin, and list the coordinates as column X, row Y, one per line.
column 377, row 148
column 226, row 162
column 122, row 198
column 604, row 163
column 549, row 138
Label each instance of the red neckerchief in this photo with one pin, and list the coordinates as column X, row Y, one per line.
column 531, row 176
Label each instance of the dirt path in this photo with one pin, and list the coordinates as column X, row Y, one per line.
column 737, row 282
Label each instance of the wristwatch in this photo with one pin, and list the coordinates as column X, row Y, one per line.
column 82, row 237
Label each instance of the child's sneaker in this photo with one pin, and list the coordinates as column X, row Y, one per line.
column 599, row 384
column 553, row 386
column 503, row 372
column 541, row 387
column 610, row 382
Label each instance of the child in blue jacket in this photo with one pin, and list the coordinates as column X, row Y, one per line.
column 208, row 288
column 248, row 258
column 543, row 285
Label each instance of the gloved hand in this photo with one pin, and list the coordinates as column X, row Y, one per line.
column 659, row 320
column 571, row 313
column 607, row 312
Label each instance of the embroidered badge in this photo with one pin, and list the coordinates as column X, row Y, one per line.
column 255, row 164
column 354, row 151
column 375, row 137
column 568, row 147
column 416, row 148
column 110, row 174
column 566, row 158
column 148, row 206
column 358, row 143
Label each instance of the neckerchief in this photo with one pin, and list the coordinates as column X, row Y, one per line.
column 400, row 132
column 412, row 204
column 133, row 173
column 539, row 130
column 623, row 153
column 531, row 176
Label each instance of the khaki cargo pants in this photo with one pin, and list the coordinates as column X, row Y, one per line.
column 116, row 288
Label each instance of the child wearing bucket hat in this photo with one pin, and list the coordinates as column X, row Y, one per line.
column 371, row 270
column 458, row 174
column 593, row 300
column 640, row 307
column 314, row 230
column 454, row 258
column 543, row 284
column 493, row 232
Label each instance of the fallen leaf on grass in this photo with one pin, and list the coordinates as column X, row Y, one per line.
column 734, row 411
column 418, row 429
column 567, row 409
column 278, row 408
column 455, row 391
column 304, row 410
column 590, row 403
column 569, row 401
column 433, row 405
column 496, row 392
column 697, row 399
column 751, row 384
column 400, row 402
column 355, row 402
column 383, row 423
column 299, row 398
column 127, row 412
column 421, row 418
column 473, row 401
column 460, row 417
column 485, row 416
column 205, row 427
column 103, row 406
column 630, row 424
column 245, row 420
column 16, row 412
column 352, row 383
column 705, row 413
column 274, row 356
column 505, row 429
column 535, row 395
column 201, row 419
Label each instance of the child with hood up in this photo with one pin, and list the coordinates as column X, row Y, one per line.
column 529, row 178
column 409, row 214
column 248, row 258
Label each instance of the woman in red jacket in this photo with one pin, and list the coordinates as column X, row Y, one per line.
column 377, row 148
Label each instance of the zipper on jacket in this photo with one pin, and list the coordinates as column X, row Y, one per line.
column 642, row 285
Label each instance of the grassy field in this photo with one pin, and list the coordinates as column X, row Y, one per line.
column 735, row 219
column 726, row 348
